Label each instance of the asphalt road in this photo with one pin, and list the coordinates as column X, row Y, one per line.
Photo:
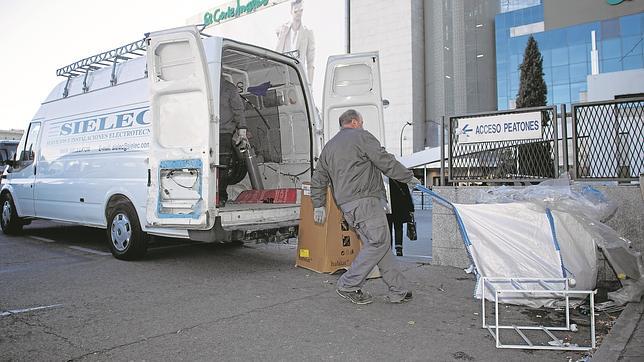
column 188, row 301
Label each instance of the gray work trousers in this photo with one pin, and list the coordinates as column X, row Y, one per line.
column 367, row 217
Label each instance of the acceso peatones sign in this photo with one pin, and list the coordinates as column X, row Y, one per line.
column 504, row 127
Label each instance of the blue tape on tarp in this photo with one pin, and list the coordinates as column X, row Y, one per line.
column 551, row 221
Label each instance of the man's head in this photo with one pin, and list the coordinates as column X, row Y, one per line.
column 297, row 8
column 351, row 119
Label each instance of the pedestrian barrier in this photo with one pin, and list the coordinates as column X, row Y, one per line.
column 510, row 146
column 608, row 140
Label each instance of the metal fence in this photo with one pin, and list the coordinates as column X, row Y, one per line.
column 608, row 139
column 530, row 160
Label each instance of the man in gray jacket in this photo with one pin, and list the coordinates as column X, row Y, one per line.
column 352, row 163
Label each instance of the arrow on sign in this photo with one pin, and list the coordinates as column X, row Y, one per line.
column 466, row 130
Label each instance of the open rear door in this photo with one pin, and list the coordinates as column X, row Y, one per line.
column 353, row 82
column 179, row 192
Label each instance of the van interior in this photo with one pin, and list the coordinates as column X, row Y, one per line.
column 279, row 131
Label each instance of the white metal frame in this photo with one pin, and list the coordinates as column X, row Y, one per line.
column 554, row 286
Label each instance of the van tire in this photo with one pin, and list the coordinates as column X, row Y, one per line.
column 9, row 220
column 127, row 240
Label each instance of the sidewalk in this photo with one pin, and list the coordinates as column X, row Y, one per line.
column 625, row 341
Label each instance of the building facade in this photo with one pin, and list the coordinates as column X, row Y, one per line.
column 437, row 58
column 453, row 57
column 11, row 134
column 459, row 62
column 395, row 30
column 563, row 31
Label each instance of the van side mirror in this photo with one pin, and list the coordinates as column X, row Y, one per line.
column 26, row 155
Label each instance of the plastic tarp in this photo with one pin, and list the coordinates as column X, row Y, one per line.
column 578, row 250
column 515, row 240
column 585, row 209
column 550, row 230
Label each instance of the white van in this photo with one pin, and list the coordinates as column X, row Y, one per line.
column 129, row 142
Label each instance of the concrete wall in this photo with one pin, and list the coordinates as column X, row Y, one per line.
column 447, row 244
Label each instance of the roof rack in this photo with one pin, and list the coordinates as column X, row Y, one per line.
column 102, row 60
column 106, row 59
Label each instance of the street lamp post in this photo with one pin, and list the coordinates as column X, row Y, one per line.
column 401, row 134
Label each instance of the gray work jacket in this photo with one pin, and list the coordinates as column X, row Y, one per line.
column 353, row 162
column 231, row 108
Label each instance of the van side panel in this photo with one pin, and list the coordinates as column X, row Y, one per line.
column 77, row 170
column 92, row 145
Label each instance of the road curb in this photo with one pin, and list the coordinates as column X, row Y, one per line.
column 615, row 341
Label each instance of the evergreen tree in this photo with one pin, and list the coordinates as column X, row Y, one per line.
column 532, row 87
column 535, row 158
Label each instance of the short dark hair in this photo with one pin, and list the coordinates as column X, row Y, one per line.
column 348, row 116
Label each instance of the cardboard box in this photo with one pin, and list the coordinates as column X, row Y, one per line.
column 328, row 247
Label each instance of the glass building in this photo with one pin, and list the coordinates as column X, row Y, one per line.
column 566, row 52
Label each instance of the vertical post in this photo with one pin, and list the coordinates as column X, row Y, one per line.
column 566, row 288
column 425, row 180
column 85, row 87
column 594, row 56
column 347, row 5
column 496, row 317
column 425, row 174
column 555, row 139
column 401, row 136
column 564, row 137
column 592, row 318
column 66, row 90
column 441, row 134
column 483, row 302
column 422, row 201
column 573, row 129
column 113, row 76
column 621, row 143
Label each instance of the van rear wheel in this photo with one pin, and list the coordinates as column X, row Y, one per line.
column 127, row 240
column 9, row 220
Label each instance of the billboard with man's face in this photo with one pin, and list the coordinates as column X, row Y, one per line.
column 310, row 30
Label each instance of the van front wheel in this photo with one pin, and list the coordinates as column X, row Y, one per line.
column 127, row 240
column 9, row 220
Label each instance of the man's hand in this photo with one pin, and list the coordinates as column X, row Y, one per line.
column 413, row 182
column 242, row 138
column 319, row 215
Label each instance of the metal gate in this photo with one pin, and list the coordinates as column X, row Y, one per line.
column 608, row 140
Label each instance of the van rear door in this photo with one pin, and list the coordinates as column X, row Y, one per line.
column 182, row 148
column 353, row 82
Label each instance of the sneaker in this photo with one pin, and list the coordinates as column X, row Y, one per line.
column 357, row 297
column 408, row 296
column 399, row 251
